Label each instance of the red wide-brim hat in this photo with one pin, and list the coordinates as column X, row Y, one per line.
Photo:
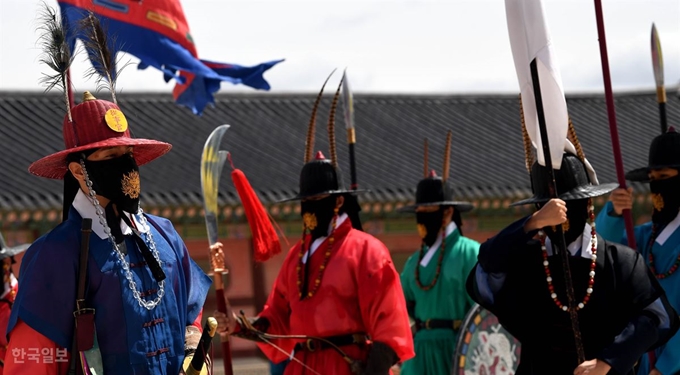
column 54, row 166
column 95, row 124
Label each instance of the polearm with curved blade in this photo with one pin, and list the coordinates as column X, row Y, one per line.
column 611, row 115
column 545, row 113
column 657, row 63
column 212, row 162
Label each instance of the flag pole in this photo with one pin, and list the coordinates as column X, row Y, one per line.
column 611, row 114
column 69, row 88
column 561, row 243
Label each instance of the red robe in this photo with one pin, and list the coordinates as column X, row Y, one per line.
column 5, row 311
column 360, row 292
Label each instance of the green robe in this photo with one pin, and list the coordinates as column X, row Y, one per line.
column 448, row 299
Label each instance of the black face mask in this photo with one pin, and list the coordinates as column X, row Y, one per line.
column 577, row 216
column 317, row 215
column 117, row 180
column 430, row 225
column 665, row 199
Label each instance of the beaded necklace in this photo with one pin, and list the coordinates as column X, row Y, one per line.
column 591, row 274
column 149, row 305
column 440, row 260
column 650, row 244
column 322, row 268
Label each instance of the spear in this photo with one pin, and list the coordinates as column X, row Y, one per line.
column 611, row 114
column 348, row 105
column 657, row 63
column 348, row 102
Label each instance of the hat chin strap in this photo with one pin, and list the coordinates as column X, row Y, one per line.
column 569, row 148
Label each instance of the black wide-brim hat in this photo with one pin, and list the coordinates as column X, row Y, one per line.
column 663, row 153
column 434, row 191
column 319, row 177
column 571, row 179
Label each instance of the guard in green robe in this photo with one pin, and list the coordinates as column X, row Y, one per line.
column 434, row 277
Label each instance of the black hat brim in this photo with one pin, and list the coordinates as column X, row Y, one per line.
column 581, row 192
column 300, row 197
column 642, row 174
column 460, row 206
column 12, row 251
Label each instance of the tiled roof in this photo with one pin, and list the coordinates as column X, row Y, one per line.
column 268, row 134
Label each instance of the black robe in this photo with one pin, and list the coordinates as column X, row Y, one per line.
column 627, row 315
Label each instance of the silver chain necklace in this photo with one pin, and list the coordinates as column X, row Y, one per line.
column 149, row 305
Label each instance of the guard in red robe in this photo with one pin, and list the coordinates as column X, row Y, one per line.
column 9, row 291
column 337, row 292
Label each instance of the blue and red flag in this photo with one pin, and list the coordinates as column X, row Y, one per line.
column 157, row 33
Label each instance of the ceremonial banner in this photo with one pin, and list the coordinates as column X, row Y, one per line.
column 157, row 33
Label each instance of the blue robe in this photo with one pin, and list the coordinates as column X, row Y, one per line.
column 612, row 228
column 132, row 339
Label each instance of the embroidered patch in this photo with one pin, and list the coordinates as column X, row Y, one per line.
column 309, row 220
column 116, row 120
column 422, row 230
column 657, row 202
column 131, row 186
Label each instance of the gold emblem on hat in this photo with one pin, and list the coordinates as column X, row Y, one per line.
column 116, row 120
column 131, row 186
column 309, row 220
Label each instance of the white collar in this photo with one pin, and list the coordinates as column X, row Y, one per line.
column 317, row 242
column 430, row 252
column 584, row 241
column 86, row 209
column 668, row 230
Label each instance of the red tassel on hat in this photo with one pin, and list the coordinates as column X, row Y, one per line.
column 265, row 241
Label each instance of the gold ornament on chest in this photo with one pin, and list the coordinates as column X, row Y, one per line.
column 131, row 186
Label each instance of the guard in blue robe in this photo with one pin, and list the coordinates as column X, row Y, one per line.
column 657, row 241
column 146, row 291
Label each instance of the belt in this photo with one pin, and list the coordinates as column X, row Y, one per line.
column 312, row 345
column 438, row 323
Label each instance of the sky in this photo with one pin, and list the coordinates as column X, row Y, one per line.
column 387, row 46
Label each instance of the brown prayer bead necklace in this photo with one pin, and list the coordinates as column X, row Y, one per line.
column 673, row 268
column 322, row 268
column 439, row 262
column 591, row 274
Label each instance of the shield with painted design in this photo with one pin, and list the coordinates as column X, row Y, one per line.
column 484, row 346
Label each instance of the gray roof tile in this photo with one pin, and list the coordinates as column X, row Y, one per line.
column 268, row 134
